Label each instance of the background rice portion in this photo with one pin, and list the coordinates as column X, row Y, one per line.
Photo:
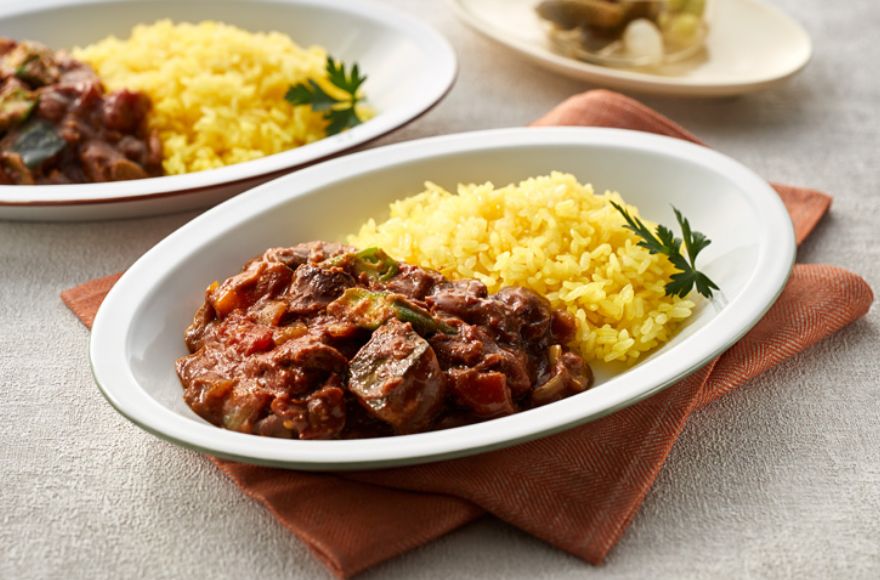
column 553, row 235
column 217, row 90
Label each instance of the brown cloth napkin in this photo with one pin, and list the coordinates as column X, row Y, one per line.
column 577, row 490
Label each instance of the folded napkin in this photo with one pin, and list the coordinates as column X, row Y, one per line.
column 577, row 490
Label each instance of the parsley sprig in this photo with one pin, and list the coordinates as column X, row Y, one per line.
column 341, row 114
column 665, row 242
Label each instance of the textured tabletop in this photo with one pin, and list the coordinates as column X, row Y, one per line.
column 779, row 479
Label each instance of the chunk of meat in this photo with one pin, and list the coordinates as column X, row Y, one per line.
column 195, row 332
column 562, row 327
column 259, row 280
column 53, row 104
column 75, row 74
column 397, row 378
column 321, row 415
column 462, row 298
column 274, row 426
column 464, row 348
column 531, row 308
column 210, row 381
column 154, row 153
column 86, row 107
column 313, row 288
column 311, row 355
column 103, row 162
column 513, row 364
column 468, row 300
column 305, row 253
column 568, row 375
column 206, row 392
column 125, row 110
column 239, row 334
column 135, row 150
column 244, row 407
column 292, row 257
column 278, row 379
column 473, row 347
column 297, row 366
column 6, row 45
column 414, row 282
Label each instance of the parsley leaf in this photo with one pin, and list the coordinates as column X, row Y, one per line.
column 664, row 242
column 349, row 83
column 340, row 114
column 310, row 94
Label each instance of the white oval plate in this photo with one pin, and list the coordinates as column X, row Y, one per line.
column 751, row 46
column 410, row 67
column 138, row 331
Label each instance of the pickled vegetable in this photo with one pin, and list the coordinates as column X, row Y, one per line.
column 625, row 32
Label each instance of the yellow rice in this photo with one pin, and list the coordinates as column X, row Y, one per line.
column 553, row 235
column 217, row 90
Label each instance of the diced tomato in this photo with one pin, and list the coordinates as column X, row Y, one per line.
column 250, row 338
column 485, row 394
column 260, row 342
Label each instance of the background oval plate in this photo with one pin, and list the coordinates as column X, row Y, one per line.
column 751, row 46
column 410, row 67
column 138, row 331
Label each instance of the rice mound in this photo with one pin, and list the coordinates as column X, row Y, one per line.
column 217, row 90
column 553, row 235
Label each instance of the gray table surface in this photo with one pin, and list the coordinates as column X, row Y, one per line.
column 779, row 479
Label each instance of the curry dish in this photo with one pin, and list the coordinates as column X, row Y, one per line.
column 173, row 98
column 321, row 341
column 59, row 125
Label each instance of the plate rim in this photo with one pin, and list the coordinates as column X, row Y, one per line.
column 634, row 80
column 112, row 324
column 436, row 47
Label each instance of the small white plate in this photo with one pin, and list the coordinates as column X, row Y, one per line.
column 410, row 67
column 138, row 331
column 751, row 46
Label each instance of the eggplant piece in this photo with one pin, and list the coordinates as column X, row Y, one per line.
column 396, row 377
column 37, row 142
